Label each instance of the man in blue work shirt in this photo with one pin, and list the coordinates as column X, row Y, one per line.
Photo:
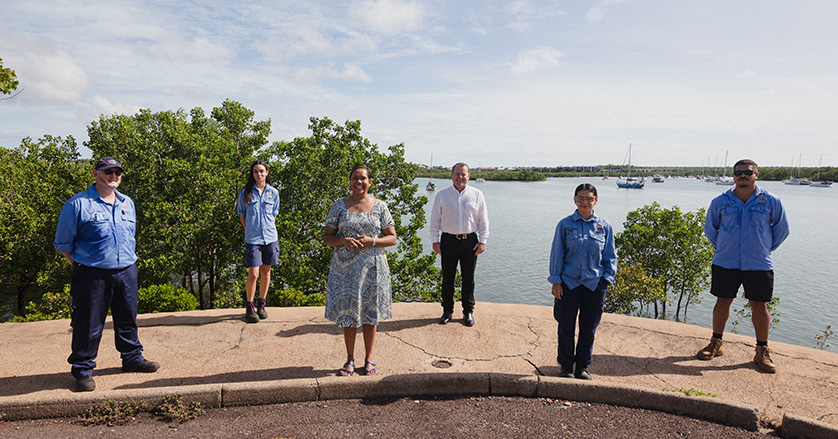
column 96, row 233
column 744, row 225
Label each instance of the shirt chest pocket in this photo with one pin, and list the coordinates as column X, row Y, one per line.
column 760, row 216
column 729, row 218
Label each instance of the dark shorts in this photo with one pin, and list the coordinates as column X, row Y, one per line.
column 759, row 285
column 256, row 254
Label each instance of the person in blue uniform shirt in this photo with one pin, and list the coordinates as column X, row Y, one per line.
column 257, row 206
column 583, row 262
column 744, row 224
column 96, row 233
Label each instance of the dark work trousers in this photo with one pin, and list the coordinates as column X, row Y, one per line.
column 458, row 251
column 94, row 291
column 589, row 305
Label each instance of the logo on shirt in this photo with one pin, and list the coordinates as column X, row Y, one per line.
column 598, row 227
column 97, row 216
column 761, row 199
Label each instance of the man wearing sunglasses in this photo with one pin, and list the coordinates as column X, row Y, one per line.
column 744, row 224
column 96, row 233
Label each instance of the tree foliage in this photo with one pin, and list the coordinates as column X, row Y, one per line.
column 183, row 173
column 671, row 248
column 36, row 179
column 314, row 175
column 8, row 79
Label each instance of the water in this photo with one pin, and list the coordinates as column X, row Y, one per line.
column 523, row 217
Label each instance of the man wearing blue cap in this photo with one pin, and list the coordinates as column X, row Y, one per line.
column 96, row 233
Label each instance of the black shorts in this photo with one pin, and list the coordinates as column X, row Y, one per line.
column 759, row 285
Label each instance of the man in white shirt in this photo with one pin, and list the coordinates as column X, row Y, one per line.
column 459, row 212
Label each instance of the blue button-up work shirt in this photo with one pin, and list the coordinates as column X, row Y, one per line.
column 97, row 233
column 583, row 252
column 745, row 234
column 259, row 215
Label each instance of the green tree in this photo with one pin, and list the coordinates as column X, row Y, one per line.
column 671, row 248
column 633, row 292
column 8, row 79
column 315, row 174
column 36, row 180
column 183, row 173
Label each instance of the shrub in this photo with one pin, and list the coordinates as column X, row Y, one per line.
column 293, row 297
column 52, row 306
column 165, row 298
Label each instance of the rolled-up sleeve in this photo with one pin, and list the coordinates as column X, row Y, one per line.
column 65, row 233
column 482, row 219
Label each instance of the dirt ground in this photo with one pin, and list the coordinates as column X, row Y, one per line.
column 406, row 418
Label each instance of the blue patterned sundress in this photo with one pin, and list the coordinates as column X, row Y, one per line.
column 359, row 281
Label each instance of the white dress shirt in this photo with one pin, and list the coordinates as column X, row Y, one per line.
column 459, row 213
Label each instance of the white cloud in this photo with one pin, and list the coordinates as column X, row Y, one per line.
column 104, row 106
column 350, row 72
column 536, row 59
column 597, row 12
column 391, row 17
column 199, row 49
column 52, row 76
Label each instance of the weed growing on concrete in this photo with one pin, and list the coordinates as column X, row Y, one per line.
column 691, row 392
column 112, row 413
column 174, row 409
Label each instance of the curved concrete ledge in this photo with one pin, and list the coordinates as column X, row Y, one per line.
column 209, row 357
column 797, row 427
column 399, row 386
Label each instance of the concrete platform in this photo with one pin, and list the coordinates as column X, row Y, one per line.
column 218, row 359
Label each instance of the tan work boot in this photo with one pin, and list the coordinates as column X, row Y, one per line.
column 714, row 349
column 763, row 359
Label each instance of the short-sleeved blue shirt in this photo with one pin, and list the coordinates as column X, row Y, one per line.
column 97, row 233
column 583, row 252
column 259, row 215
column 745, row 234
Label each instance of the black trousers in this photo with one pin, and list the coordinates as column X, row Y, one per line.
column 458, row 252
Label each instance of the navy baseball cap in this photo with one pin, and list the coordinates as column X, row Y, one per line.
column 108, row 163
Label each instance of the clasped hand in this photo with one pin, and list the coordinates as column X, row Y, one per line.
column 357, row 242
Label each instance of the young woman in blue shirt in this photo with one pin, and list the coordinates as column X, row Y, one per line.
column 583, row 263
column 258, row 206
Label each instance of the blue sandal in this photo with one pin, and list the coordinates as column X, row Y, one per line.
column 370, row 371
column 344, row 369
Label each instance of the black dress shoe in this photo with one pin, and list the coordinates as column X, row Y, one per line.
column 582, row 374
column 468, row 319
column 566, row 372
column 446, row 317
column 144, row 366
column 85, row 384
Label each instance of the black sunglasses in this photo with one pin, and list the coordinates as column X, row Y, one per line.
column 118, row 172
column 745, row 171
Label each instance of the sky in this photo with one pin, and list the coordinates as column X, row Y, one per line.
column 491, row 83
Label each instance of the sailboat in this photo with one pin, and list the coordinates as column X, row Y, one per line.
column 630, row 182
column 724, row 181
column 431, row 186
column 479, row 179
column 818, row 182
column 796, row 181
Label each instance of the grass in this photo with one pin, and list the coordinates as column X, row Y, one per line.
column 691, row 392
column 112, row 413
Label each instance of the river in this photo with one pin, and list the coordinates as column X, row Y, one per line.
column 523, row 216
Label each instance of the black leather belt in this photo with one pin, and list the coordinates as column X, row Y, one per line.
column 460, row 236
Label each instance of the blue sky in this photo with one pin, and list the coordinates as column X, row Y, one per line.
column 492, row 83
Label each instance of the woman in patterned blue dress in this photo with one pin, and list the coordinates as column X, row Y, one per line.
column 358, row 294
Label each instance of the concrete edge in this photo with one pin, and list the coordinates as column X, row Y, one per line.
column 74, row 404
column 711, row 409
column 421, row 385
column 798, row 427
